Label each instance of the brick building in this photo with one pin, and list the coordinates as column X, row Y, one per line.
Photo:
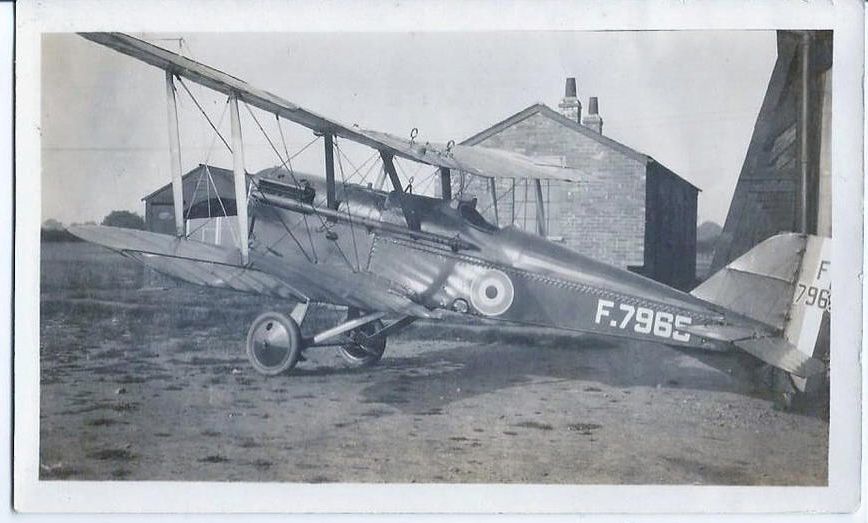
column 631, row 212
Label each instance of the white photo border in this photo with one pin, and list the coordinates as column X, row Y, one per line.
column 845, row 18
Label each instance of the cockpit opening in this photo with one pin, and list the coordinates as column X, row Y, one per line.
column 467, row 210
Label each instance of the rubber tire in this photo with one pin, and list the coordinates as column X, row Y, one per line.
column 356, row 356
column 293, row 338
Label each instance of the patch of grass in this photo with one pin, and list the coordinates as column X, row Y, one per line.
column 262, row 464
column 375, row 413
column 104, row 422
column 58, row 471
column 214, row 458
column 126, row 379
column 534, row 425
column 114, row 455
column 120, row 473
column 320, row 479
column 585, row 429
column 125, row 407
column 248, row 443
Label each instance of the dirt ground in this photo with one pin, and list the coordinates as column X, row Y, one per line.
column 146, row 383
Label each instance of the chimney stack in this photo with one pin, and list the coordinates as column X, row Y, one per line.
column 593, row 120
column 570, row 105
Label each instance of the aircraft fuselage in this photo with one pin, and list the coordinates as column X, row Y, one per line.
column 503, row 274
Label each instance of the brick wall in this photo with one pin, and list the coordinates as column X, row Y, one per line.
column 603, row 217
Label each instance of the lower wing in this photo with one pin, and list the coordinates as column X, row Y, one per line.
column 216, row 266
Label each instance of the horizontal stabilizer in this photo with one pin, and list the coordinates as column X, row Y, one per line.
column 782, row 354
column 724, row 333
column 771, row 349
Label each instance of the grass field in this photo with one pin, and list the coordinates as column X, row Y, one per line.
column 143, row 378
column 83, row 280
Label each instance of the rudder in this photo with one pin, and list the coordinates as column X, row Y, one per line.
column 784, row 283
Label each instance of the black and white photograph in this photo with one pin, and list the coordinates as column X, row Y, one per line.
column 503, row 258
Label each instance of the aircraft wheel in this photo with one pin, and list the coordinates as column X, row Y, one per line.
column 360, row 354
column 273, row 343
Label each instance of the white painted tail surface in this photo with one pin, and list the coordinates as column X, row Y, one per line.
column 812, row 299
column 784, row 283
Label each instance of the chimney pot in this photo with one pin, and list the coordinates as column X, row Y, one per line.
column 570, row 88
column 570, row 105
column 593, row 120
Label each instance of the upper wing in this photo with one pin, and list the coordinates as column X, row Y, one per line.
column 478, row 161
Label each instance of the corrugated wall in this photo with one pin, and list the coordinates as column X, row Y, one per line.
column 767, row 198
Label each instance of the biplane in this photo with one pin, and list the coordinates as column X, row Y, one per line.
column 389, row 256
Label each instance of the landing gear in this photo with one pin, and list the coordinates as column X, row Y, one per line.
column 274, row 343
column 361, row 352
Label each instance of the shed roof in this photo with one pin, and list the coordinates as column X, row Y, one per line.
column 196, row 186
column 220, row 176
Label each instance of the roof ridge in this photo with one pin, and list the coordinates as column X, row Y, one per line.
column 548, row 112
column 199, row 167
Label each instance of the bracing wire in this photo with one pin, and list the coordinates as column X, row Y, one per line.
column 370, row 168
column 199, row 106
column 199, row 180
column 289, row 164
column 254, row 184
column 322, row 220
column 211, row 178
column 427, row 182
column 357, row 170
column 217, row 134
column 498, row 199
column 408, row 178
column 347, row 204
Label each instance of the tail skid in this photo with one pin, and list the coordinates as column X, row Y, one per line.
column 784, row 284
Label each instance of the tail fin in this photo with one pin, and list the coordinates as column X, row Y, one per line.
column 784, row 282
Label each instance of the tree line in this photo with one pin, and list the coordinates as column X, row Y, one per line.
column 55, row 231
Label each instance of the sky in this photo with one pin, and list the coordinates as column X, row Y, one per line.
column 687, row 98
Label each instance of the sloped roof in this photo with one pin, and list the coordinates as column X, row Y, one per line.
column 546, row 111
column 216, row 172
column 223, row 184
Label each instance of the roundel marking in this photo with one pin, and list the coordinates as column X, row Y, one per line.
column 491, row 293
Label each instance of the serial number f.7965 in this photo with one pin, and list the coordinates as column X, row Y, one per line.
column 642, row 320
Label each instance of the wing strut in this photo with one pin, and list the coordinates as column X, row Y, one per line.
column 492, row 186
column 446, row 183
column 239, row 178
column 175, row 155
column 540, row 209
column 389, row 167
column 328, row 140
